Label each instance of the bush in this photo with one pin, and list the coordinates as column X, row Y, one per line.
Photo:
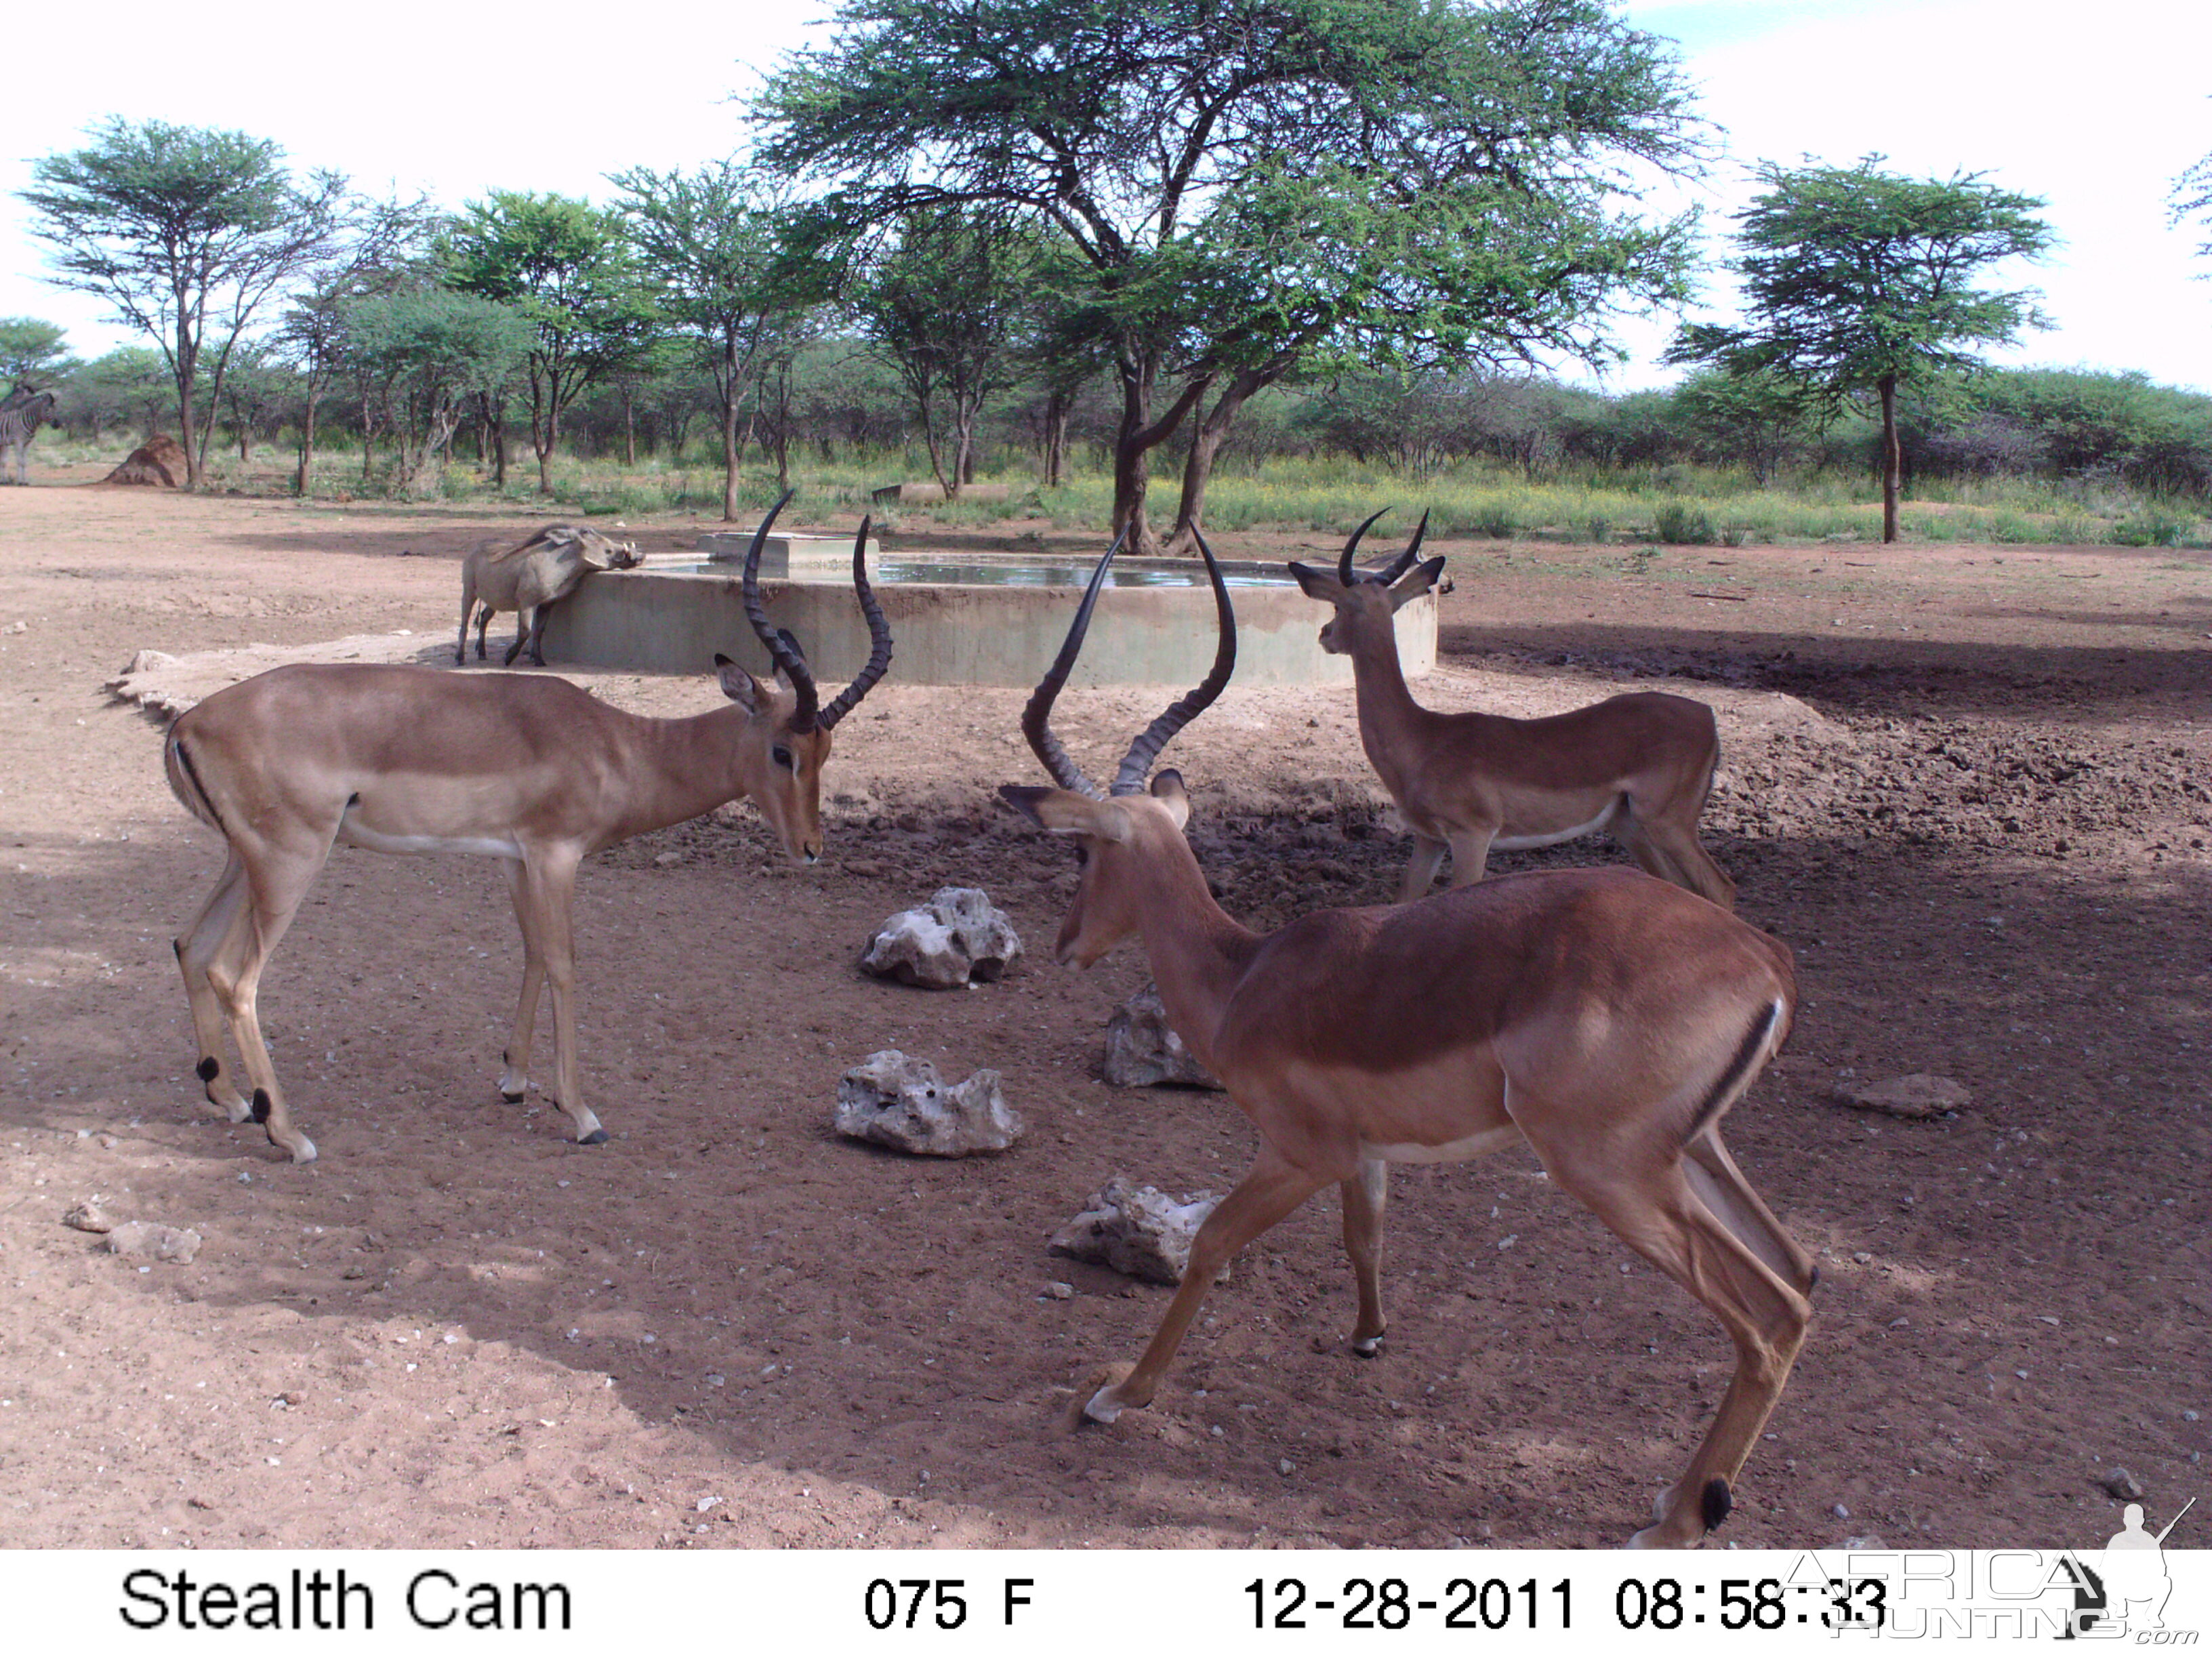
column 2153, row 524
column 1682, row 524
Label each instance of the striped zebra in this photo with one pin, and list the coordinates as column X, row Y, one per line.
column 21, row 413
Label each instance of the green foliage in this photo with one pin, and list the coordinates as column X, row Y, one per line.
column 1682, row 524
column 1249, row 187
column 566, row 267
column 33, row 353
column 185, row 232
column 1853, row 277
column 420, row 353
column 2154, row 524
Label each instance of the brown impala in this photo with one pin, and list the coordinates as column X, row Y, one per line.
column 530, row 770
column 1639, row 765
column 1607, row 1019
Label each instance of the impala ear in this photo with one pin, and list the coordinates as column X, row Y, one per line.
column 1064, row 812
column 1169, row 791
column 1418, row 580
column 1318, row 584
column 742, row 688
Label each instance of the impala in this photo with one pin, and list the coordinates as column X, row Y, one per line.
column 1639, row 765
column 1606, row 1018
column 530, row 770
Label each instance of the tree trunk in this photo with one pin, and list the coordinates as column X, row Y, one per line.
column 1891, row 460
column 629, row 428
column 1137, row 439
column 304, row 482
column 1204, row 447
column 731, row 449
column 1055, row 440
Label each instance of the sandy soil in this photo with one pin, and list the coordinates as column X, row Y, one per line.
column 1967, row 785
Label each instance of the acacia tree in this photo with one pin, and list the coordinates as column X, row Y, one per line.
column 421, row 355
column 382, row 247
column 33, row 353
column 1249, row 185
column 185, row 232
column 2191, row 198
column 566, row 267
column 713, row 243
column 945, row 306
column 1858, row 282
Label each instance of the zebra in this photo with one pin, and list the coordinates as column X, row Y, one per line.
column 21, row 413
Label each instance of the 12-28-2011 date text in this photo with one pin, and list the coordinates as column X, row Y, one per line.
column 1393, row 1604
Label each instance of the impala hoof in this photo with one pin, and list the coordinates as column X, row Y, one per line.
column 1102, row 1407
column 1367, row 1347
column 597, row 1138
column 304, row 1151
column 511, row 1096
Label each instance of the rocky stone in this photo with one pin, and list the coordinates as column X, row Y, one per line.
column 1920, row 1094
column 151, row 1239
column 899, row 1102
column 2124, row 1486
column 959, row 938
column 87, row 1218
column 1142, row 1051
column 1137, row 1231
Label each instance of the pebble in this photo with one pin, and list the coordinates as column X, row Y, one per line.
column 2124, row 1486
column 87, row 1218
column 1840, row 1512
column 1286, row 1466
column 1059, row 1290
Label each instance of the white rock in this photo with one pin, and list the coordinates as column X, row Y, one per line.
column 1142, row 1050
column 1137, row 1231
column 899, row 1101
column 957, row 938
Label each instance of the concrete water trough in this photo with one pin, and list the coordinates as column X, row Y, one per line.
column 970, row 619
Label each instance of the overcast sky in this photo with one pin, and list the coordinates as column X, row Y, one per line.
column 2096, row 107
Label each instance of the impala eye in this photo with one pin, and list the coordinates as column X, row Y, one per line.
column 782, row 757
column 1081, row 855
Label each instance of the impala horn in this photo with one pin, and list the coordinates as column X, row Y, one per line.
column 879, row 635
column 1137, row 764
column 783, row 649
column 1398, row 567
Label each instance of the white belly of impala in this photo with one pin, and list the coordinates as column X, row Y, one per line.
column 353, row 834
column 1451, row 1151
column 1551, row 837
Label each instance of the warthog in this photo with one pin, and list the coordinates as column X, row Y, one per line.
column 529, row 580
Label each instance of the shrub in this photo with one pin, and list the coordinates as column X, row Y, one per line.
column 1682, row 524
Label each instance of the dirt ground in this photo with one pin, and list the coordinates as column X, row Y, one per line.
column 1967, row 785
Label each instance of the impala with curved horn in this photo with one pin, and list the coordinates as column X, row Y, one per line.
column 1607, row 1019
column 529, row 769
column 1639, row 765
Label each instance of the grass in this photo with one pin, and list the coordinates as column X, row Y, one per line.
column 1673, row 505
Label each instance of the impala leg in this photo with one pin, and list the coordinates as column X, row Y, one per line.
column 1271, row 1189
column 1652, row 1205
column 1470, row 851
column 1720, row 1187
column 514, row 1078
column 1365, row 1197
column 549, row 886
column 1421, row 871
column 196, row 947
column 276, row 879
column 483, row 627
column 1672, row 852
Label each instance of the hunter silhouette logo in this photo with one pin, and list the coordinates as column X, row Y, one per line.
column 2126, row 1591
